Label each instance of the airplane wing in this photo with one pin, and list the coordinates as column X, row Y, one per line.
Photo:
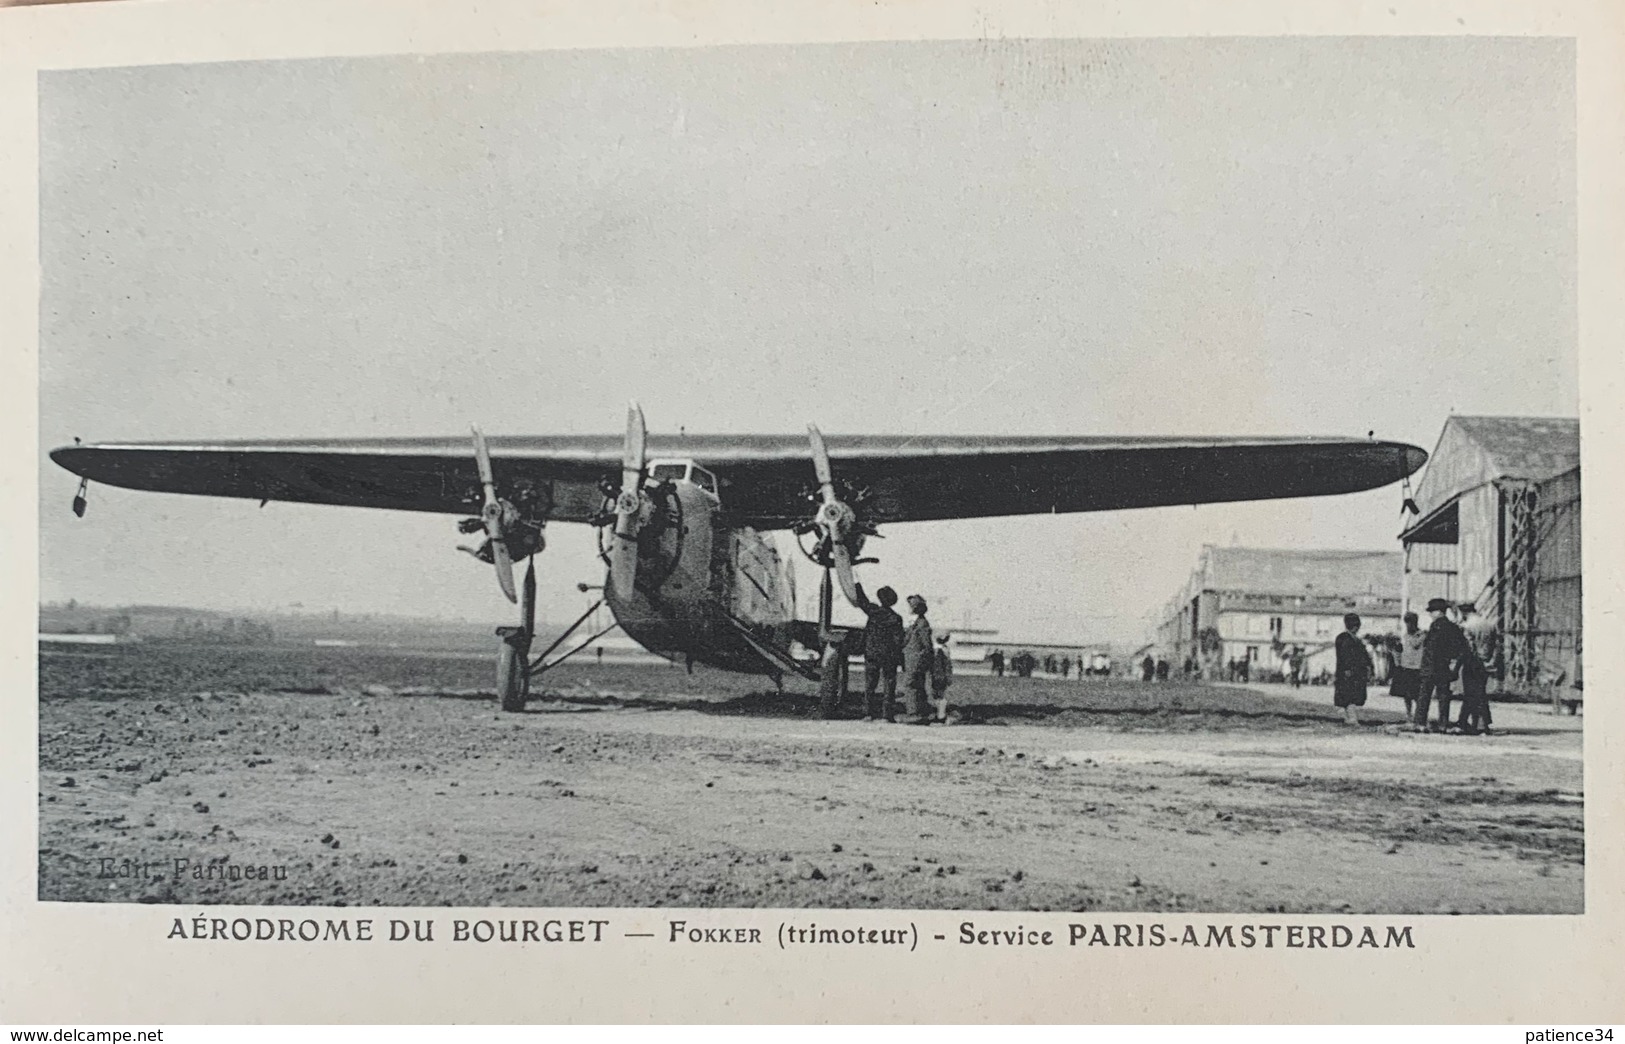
column 921, row 479
column 766, row 479
column 437, row 475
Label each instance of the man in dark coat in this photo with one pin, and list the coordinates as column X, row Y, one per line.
column 1442, row 653
column 1354, row 668
column 882, row 652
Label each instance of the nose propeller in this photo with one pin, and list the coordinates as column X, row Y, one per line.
column 629, row 504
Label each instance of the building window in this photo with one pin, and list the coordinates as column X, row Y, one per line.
column 1275, row 626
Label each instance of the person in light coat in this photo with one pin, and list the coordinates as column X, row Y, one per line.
column 917, row 656
column 1482, row 662
column 1407, row 680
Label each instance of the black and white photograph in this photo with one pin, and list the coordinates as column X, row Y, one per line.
column 1077, row 475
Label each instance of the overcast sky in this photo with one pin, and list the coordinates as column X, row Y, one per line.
column 1313, row 236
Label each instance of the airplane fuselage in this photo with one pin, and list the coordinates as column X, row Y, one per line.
column 700, row 577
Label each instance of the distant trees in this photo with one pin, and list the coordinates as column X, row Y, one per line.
column 154, row 623
column 231, row 630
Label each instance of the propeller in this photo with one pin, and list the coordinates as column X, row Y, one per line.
column 623, row 549
column 834, row 520
column 494, row 515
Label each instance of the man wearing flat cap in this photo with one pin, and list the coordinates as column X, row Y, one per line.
column 917, row 657
column 1442, row 652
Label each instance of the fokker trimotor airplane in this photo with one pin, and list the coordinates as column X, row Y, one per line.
column 682, row 522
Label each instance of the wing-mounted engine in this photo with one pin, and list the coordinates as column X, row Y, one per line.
column 837, row 520
column 512, row 520
column 512, row 517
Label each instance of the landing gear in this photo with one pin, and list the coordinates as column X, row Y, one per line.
column 513, row 669
column 513, row 657
column 513, row 527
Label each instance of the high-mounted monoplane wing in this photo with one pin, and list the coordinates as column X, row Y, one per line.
column 766, row 479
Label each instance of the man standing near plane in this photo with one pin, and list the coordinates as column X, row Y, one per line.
column 917, row 657
column 882, row 652
column 1442, row 653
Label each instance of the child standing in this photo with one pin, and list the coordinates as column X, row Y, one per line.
column 942, row 675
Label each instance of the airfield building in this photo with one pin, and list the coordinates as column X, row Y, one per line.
column 1497, row 523
column 1265, row 605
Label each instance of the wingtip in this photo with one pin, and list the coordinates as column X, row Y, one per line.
column 62, row 455
column 1415, row 457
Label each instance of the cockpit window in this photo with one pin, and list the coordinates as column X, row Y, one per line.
column 682, row 471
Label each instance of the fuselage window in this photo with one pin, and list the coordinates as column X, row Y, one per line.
column 703, row 479
column 668, row 472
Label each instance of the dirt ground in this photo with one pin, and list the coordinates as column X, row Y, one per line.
column 354, row 778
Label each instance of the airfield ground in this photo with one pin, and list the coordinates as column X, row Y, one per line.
column 384, row 779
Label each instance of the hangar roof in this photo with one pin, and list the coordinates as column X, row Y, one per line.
column 1473, row 451
column 1524, row 447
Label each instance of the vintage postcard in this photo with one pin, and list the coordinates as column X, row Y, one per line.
column 836, row 510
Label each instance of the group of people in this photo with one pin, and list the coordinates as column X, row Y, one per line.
column 1431, row 664
column 1024, row 664
column 888, row 646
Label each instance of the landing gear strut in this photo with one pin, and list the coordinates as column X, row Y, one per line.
column 835, row 662
column 513, row 531
column 513, row 657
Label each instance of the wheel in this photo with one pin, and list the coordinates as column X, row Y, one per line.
column 513, row 683
column 832, row 681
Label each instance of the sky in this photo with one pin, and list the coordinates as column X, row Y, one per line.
column 1312, row 236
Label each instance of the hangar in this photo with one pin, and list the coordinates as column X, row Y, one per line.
column 1495, row 520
